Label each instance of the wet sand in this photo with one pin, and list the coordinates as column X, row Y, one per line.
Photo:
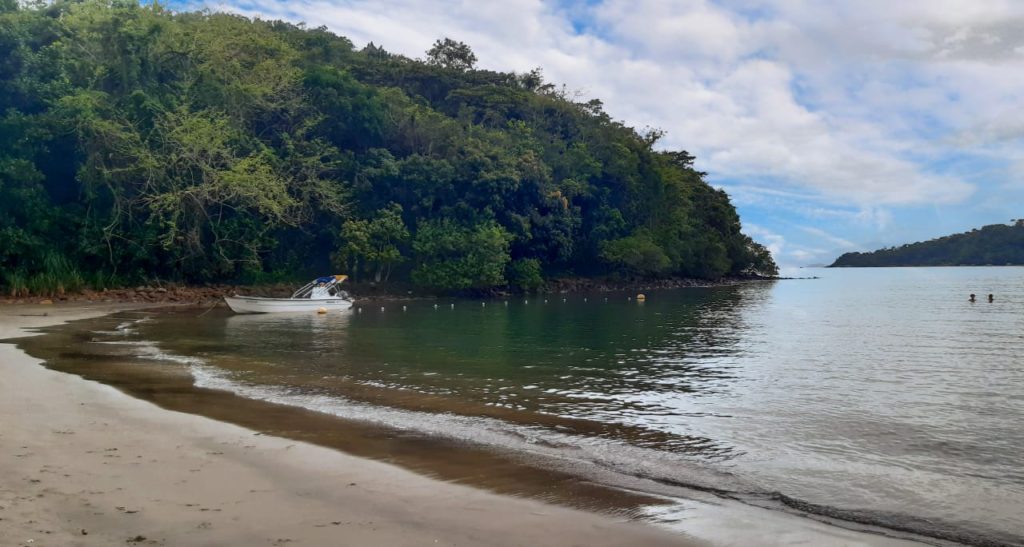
column 84, row 464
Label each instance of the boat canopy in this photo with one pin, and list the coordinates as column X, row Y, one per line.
column 337, row 278
column 322, row 287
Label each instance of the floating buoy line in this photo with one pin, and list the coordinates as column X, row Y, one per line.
column 641, row 297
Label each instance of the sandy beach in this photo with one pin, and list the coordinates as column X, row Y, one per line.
column 83, row 464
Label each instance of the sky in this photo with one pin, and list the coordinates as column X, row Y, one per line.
column 834, row 126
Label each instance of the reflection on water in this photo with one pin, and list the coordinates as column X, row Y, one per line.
column 604, row 369
column 876, row 395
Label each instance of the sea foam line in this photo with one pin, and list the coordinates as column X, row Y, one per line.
column 590, row 456
column 606, row 461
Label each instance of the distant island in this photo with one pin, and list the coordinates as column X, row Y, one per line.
column 997, row 244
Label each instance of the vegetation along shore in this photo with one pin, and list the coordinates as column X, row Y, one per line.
column 210, row 295
column 993, row 245
column 138, row 143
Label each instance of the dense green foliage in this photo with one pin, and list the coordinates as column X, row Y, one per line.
column 139, row 143
column 997, row 244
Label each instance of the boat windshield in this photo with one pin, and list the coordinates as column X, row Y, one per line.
column 322, row 288
column 320, row 292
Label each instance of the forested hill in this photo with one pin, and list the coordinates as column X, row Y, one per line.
column 997, row 244
column 139, row 143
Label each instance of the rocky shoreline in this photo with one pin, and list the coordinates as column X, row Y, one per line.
column 211, row 295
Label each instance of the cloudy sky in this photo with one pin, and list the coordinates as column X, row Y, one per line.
column 834, row 125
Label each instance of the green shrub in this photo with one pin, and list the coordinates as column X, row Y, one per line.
column 456, row 257
column 636, row 254
column 525, row 274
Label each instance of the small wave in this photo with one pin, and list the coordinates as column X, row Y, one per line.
column 125, row 328
column 602, row 460
column 147, row 349
column 617, row 463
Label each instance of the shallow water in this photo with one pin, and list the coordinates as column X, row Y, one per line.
column 876, row 395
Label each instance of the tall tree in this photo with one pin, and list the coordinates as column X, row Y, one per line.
column 448, row 53
column 376, row 242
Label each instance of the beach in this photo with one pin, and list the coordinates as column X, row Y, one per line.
column 84, row 464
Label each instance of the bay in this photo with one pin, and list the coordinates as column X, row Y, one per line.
column 879, row 396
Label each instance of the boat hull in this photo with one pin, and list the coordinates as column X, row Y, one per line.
column 256, row 304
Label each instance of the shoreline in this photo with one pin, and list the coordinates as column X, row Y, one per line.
column 174, row 294
column 87, row 413
column 90, row 465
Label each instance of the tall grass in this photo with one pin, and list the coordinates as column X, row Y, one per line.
column 16, row 283
column 56, row 277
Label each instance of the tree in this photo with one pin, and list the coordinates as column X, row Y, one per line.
column 376, row 242
column 997, row 244
column 636, row 254
column 455, row 257
column 448, row 53
column 525, row 274
column 532, row 80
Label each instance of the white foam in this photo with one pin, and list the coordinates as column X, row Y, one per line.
column 146, row 349
column 609, row 461
column 589, row 456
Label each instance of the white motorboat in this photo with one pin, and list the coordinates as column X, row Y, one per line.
column 323, row 293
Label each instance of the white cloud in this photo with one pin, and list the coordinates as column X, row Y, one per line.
column 822, row 234
column 805, row 256
column 866, row 216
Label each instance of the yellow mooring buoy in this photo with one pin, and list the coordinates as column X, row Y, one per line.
column 640, row 297
column 321, row 311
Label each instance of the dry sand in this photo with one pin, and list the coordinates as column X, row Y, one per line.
column 83, row 464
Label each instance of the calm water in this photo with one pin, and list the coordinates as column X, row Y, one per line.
column 878, row 395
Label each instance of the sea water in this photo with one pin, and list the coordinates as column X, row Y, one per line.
column 879, row 396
